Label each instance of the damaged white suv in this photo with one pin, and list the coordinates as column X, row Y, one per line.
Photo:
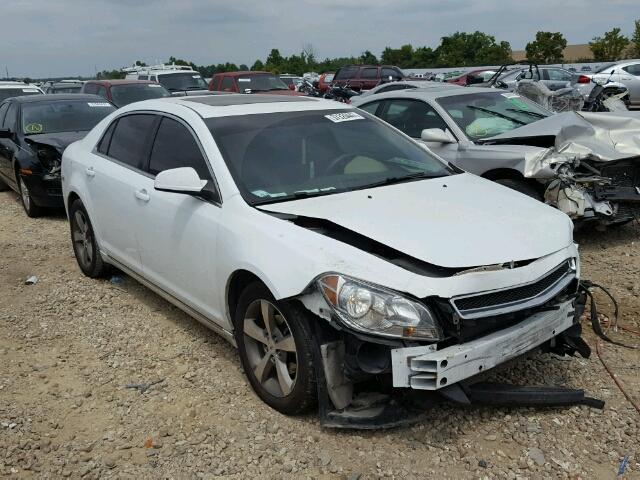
column 340, row 256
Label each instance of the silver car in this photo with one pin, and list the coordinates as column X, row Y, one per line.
column 586, row 164
column 626, row 73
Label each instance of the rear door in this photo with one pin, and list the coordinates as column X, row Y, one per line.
column 116, row 182
column 178, row 232
column 368, row 78
column 630, row 77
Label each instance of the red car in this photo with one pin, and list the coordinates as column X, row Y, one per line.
column 365, row 77
column 473, row 77
column 124, row 92
column 324, row 82
column 250, row 82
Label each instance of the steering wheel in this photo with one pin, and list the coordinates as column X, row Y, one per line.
column 340, row 159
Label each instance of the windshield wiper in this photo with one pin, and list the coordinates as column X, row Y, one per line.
column 533, row 114
column 403, row 178
column 497, row 114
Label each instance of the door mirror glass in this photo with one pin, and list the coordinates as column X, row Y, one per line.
column 436, row 135
column 179, row 180
column 6, row 133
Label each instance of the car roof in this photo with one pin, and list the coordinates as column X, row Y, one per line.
column 53, row 97
column 120, row 82
column 244, row 72
column 432, row 93
column 17, row 85
column 208, row 106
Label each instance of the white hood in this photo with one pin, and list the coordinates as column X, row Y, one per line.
column 460, row 221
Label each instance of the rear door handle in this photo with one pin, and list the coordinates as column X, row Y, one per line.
column 142, row 195
column 90, row 172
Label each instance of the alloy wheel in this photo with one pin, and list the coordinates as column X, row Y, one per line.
column 82, row 239
column 24, row 194
column 270, row 347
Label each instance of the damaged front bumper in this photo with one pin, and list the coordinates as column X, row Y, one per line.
column 426, row 368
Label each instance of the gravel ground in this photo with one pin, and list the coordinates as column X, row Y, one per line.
column 71, row 348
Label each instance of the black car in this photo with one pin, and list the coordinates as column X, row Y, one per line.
column 34, row 131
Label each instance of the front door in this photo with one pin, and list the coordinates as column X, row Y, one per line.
column 178, row 232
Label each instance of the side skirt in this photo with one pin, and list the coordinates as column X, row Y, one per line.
column 207, row 322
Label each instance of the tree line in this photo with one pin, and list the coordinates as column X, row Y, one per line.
column 459, row 49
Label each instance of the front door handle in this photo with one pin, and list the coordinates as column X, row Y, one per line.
column 90, row 172
column 142, row 195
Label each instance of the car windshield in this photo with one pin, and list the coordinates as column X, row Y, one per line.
column 282, row 156
column 63, row 116
column 136, row 92
column 175, row 82
column 328, row 77
column 482, row 115
column 17, row 92
column 261, row 83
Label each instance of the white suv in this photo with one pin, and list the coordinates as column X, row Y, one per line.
column 178, row 79
column 333, row 250
column 10, row 89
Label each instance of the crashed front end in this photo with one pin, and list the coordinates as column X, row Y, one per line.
column 391, row 355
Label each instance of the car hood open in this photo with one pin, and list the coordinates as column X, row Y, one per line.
column 604, row 136
column 459, row 221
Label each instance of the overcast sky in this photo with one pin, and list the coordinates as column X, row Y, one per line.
column 41, row 38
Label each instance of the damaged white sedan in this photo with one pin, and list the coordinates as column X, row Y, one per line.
column 350, row 266
column 586, row 164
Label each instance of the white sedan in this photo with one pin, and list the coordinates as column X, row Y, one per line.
column 335, row 252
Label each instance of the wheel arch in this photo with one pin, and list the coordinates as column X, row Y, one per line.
column 236, row 283
column 72, row 197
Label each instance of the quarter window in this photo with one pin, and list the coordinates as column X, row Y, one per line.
column 176, row 147
column 369, row 73
column 129, row 140
column 103, row 145
column 412, row 116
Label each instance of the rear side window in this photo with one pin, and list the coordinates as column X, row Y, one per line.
column 227, row 84
column 175, row 147
column 129, row 140
column 369, row 73
column 633, row 69
column 346, row 72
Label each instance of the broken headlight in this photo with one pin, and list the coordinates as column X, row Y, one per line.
column 49, row 158
column 375, row 310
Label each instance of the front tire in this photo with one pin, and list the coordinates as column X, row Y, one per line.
column 274, row 344
column 85, row 246
column 31, row 209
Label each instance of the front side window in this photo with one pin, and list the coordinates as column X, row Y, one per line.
column 369, row 73
column 260, row 83
column 281, row 156
column 129, row 140
column 63, row 116
column 482, row 115
column 412, row 116
column 390, row 72
column 136, row 92
column 182, row 81
column 370, row 107
column 176, row 147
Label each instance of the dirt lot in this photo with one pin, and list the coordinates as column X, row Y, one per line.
column 69, row 346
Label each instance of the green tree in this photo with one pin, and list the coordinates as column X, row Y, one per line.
column 547, row 48
column 367, row 58
column 635, row 40
column 257, row 65
column 401, row 57
column 243, row 67
column 469, row 49
column 274, row 61
column 609, row 47
column 424, row 57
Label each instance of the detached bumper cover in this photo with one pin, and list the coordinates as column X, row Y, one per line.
column 425, row 368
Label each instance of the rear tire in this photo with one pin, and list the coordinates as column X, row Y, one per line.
column 520, row 186
column 85, row 246
column 31, row 209
column 276, row 354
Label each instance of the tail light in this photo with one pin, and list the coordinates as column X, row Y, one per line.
column 584, row 79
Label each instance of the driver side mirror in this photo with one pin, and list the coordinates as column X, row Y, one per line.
column 6, row 133
column 179, row 180
column 436, row 135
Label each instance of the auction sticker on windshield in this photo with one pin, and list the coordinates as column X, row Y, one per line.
column 344, row 117
column 33, row 128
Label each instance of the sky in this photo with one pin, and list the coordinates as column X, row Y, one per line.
column 51, row 38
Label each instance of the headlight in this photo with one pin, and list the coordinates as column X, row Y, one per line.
column 378, row 311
